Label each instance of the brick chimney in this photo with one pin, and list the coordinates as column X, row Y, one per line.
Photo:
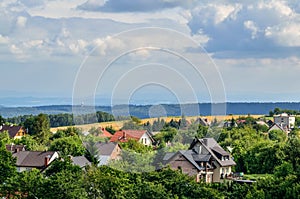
column 124, row 135
column 47, row 159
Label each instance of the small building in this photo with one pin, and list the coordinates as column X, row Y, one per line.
column 15, row 132
column 27, row 160
column 107, row 151
column 286, row 121
column 206, row 160
column 203, row 121
column 13, row 148
column 142, row 136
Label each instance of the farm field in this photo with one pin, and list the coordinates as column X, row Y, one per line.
column 118, row 124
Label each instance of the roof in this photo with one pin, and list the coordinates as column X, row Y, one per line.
column 32, row 158
column 106, row 148
column 14, row 147
column 80, row 161
column 103, row 160
column 125, row 135
column 187, row 154
column 105, row 133
column 12, row 130
column 275, row 126
column 213, row 147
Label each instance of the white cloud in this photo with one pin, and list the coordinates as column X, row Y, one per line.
column 3, row 40
column 21, row 21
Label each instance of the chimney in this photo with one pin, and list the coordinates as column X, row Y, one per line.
column 17, row 149
column 47, row 159
column 124, row 135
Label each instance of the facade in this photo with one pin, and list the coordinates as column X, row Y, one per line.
column 285, row 121
column 13, row 148
column 27, row 160
column 15, row 132
column 141, row 136
column 205, row 159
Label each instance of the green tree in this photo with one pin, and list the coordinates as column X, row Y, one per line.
column 7, row 164
column 68, row 146
column 277, row 135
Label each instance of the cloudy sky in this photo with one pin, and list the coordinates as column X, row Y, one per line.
column 155, row 51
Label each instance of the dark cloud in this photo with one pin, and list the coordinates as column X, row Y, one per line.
column 134, row 5
column 249, row 30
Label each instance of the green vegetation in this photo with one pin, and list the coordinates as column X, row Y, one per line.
column 271, row 159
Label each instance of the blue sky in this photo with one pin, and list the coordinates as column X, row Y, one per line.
column 246, row 50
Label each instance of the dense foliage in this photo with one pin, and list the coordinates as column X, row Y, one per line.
column 64, row 119
column 272, row 156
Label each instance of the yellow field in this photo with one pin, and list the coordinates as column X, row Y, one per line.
column 118, row 124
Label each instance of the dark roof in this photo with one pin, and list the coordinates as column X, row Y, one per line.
column 106, row 148
column 80, row 161
column 187, row 154
column 220, row 150
column 213, row 147
column 14, row 147
column 12, row 130
column 32, row 158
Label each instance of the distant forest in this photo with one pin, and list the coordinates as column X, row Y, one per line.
column 146, row 111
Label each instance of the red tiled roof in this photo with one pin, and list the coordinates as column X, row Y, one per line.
column 105, row 133
column 125, row 135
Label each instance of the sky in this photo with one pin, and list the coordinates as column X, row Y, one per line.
column 143, row 52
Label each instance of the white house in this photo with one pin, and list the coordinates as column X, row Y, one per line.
column 285, row 121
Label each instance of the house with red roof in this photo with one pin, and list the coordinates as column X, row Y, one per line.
column 142, row 136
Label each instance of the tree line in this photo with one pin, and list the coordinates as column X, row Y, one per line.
column 64, row 119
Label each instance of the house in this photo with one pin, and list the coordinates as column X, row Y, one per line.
column 15, row 132
column 13, row 148
column 107, row 151
column 27, row 160
column 203, row 121
column 142, row 136
column 285, row 120
column 276, row 127
column 205, row 159
column 80, row 161
column 229, row 124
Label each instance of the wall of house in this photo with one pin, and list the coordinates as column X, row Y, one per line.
column 20, row 134
column 145, row 139
column 116, row 153
column 288, row 120
column 179, row 162
column 219, row 170
column 21, row 169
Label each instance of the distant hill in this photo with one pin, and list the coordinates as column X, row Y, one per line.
column 146, row 111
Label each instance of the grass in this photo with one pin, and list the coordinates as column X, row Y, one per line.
column 255, row 176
